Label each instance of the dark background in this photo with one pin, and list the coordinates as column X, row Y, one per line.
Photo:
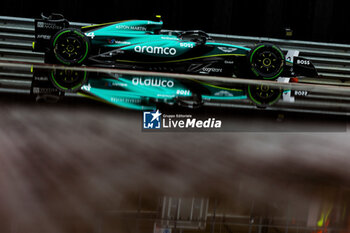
column 315, row 20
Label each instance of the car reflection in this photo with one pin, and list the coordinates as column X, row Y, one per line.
column 146, row 92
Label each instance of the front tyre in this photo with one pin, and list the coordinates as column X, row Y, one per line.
column 70, row 47
column 266, row 61
column 68, row 80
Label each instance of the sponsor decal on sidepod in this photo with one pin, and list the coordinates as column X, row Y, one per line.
column 155, row 50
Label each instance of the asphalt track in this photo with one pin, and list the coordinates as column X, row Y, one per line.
column 63, row 166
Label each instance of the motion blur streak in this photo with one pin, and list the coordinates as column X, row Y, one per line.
column 59, row 163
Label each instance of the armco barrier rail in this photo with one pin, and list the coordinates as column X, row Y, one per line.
column 331, row 60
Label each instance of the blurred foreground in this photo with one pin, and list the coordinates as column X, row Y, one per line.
column 86, row 168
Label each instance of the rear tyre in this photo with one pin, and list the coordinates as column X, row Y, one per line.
column 263, row 95
column 70, row 47
column 266, row 61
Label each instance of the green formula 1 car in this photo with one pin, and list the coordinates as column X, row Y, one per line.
column 142, row 45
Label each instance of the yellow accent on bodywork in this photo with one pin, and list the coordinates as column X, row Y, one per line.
column 181, row 60
column 104, row 24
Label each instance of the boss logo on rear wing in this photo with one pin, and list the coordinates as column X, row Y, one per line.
column 303, row 66
column 305, row 62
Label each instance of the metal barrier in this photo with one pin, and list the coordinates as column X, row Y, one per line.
column 331, row 60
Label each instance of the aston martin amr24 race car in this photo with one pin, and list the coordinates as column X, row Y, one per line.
column 141, row 45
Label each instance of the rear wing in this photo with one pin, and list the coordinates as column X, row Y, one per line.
column 45, row 29
column 304, row 67
column 301, row 66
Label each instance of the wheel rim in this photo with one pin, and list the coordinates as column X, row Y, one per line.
column 267, row 61
column 70, row 47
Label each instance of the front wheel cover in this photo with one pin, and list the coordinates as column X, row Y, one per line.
column 70, row 47
column 266, row 61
